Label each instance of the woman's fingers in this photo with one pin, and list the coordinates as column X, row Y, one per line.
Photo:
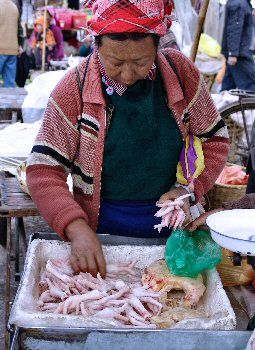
column 87, row 254
column 92, row 264
column 187, row 220
column 83, row 263
column 74, row 264
column 101, row 264
column 88, row 262
column 200, row 221
column 164, row 197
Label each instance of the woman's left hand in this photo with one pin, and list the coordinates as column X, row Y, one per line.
column 175, row 193
column 200, row 222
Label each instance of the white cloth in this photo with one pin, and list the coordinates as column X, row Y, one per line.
column 187, row 18
column 215, row 20
column 17, row 140
column 223, row 99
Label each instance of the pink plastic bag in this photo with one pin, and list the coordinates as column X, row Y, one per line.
column 79, row 20
column 64, row 18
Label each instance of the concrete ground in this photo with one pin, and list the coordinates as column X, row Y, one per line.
column 32, row 224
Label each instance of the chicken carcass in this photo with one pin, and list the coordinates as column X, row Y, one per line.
column 170, row 317
column 180, row 291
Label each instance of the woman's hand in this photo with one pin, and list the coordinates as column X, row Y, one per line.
column 173, row 194
column 86, row 250
column 201, row 220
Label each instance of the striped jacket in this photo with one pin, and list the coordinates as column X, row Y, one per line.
column 62, row 147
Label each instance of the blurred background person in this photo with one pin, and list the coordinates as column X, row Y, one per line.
column 253, row 40
column 57, row 54
column 36, row 41
column 87, row 47
column 11, row 35
column 236, row 46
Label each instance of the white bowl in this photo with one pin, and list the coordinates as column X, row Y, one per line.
column 234, row 230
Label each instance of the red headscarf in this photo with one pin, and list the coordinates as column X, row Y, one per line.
column 125, row 16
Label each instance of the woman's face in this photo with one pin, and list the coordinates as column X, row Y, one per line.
column 127, row 61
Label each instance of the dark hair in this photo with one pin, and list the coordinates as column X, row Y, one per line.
column 127, row 36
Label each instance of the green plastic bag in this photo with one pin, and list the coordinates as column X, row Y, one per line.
column 189, row 253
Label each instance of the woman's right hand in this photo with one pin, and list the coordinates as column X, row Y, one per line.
column 86, row 250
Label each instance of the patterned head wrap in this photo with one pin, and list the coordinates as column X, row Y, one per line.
column 127, row 16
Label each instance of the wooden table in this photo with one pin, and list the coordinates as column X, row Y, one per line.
column 14, row 203
column 11, row 100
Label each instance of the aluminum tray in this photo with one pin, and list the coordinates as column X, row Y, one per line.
column 94, row 339
column 38, row 336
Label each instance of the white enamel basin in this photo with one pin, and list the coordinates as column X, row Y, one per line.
column 234, row 230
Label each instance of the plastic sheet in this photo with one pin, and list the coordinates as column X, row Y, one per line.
column 187, row 17
column 215, row 18
column 38, row 94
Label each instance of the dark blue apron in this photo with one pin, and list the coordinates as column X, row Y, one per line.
column 130, row 219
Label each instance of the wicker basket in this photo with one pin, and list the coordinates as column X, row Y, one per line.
column 234, row 275
column 235, row 137
column 224, row 193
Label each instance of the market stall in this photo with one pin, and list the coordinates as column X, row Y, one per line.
column 33, row 329
column 139, row 302
column 64, row 22
column 73, row 21
column 11, row 100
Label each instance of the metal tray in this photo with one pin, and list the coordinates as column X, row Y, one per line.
column 105, row 239
column 88, row 338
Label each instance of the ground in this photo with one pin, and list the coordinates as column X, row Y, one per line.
column 32, row 224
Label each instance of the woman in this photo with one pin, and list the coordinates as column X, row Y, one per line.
column 123, row 139
column 36, row 41
column 57, row 53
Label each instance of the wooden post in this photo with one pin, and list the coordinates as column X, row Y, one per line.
column 200, row 24
column 44, row 35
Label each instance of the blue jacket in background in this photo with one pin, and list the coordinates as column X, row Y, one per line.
column 238, row 30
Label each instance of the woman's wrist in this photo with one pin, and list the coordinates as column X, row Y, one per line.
column 188, row 190
column 76, row 229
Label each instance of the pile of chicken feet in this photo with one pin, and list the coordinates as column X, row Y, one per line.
column 120, row 297
column 171, row 213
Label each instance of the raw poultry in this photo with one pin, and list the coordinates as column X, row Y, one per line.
column 171, row 213
column 123, row 297
column 180, row 295
column 181, row 291
column 120, row 297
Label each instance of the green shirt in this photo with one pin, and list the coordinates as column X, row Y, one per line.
column 143, row 145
